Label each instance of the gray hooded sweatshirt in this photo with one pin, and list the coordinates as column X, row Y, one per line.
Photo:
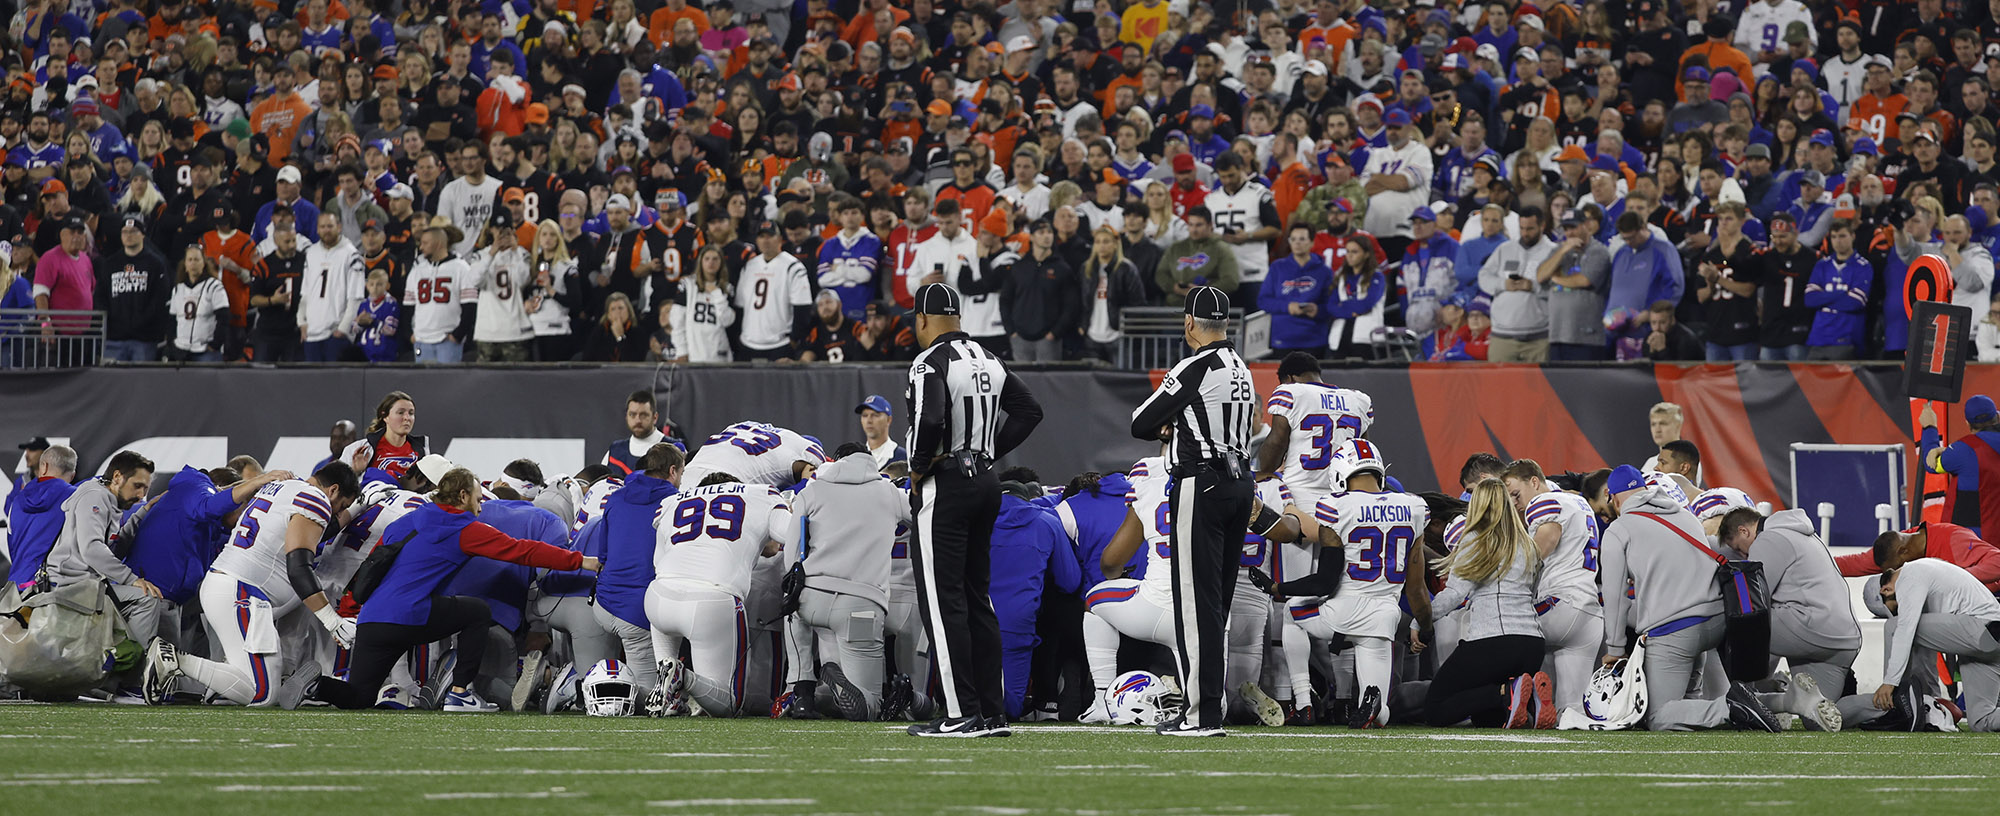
column 849, row 514
column 84, row 548
column 1672, row 579
column 1806, row 587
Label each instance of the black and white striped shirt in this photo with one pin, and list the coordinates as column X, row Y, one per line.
column 1210, row 402
column 957, row 393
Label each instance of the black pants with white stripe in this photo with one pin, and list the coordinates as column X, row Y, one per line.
column 951, row 554
column 1211, row 517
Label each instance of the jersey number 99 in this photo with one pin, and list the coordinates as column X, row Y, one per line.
column 727, row 512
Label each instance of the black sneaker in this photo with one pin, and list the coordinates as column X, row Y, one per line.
column 950, row 727
column 1363, row 715
column 897, row 694
column 1750, row 713
column 1181, row 727
column 846, row 696
column 1908, row 705
column 996, row 727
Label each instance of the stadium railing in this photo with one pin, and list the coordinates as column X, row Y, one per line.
column 76, row 339
column 1153, row 337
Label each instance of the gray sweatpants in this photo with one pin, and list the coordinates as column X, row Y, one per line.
column 1671, row 661
column 638, row 643
column 1978, row 662
column 847, row 630
column 589, row 641
column 1572, row 636
column 1791, row 640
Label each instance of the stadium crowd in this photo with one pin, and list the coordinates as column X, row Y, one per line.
column 550, row 180
column 753, row 572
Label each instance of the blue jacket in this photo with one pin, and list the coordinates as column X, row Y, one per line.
column 1895, row 323
column 1839, row 290
column 1028, row 544
column 306, row 220
column 628, row 547
column 33, row 524
column 504, row 586
column 180, row 534
column 444, row 541
column 577, row 583
column 1472, row 254
column 1206, row 152
column 1097, row 520
column 1289, row 283
column 1642, row 277
column 1349, row 300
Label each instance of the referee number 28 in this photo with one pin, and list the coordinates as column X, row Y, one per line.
column 1239, row 391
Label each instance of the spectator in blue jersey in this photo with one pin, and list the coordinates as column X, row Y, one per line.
column 1973, row 463
column 1839, row 290
column 492, row 45
column 504, row 587
column 1203, row 141
column 647, row 428
column 1428, row 272
column 848, row 260
column 409, row 607
column 1472, row 252
column 1031, row 555
column 35, row 151
column 1646, row 270
column 1294, row 294
column 87, row 118
column 177, row 534
column 1811, row 211
column 35, row 514
column 628, row 558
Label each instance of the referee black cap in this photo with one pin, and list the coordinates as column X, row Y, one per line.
column 1208, row 303
column 937, row 299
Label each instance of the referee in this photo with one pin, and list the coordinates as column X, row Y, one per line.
column 1207, row 409
column 957, row 391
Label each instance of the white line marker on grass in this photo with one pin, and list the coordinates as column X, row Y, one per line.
column 687, row 803
column 89, row 780
column 287, row 788
column 547, row 794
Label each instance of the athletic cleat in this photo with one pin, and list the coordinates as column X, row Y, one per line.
column 672, row 693
column 1750, row 713
column 130, row 696
column 783, row 705
column 923, row 708
column 846, row 696
column 1268, row 711
column 1300, row 715
column 1367, row 713
column 960, row 727
column 1815, row 712
column 530, row 682
column 1546, row 713
column 1099, row 712
column 435, row 689
column 467, row 702
column 1942, row 715
column 298, row 685
column 1339, row 711
column 1520, row 702
column 896, row 697
column 393, row 698
column 162, row 669
column 996, row 727
column 1180, row 727
column 1048, row 712
column 1908, row 704
column 563, row 691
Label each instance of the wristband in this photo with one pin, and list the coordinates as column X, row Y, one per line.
column 1266, row 520
column 329, row 618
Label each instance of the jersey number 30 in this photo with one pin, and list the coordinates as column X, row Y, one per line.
column 1382, row 553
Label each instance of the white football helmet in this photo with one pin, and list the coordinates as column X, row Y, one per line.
column 1357, row 456
column 1718, row 501
column 610, row 690
column 1143, row 698
column 1616, row 698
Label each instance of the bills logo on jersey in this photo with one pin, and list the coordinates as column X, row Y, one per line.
column 1299, row 286
column 1195, row 261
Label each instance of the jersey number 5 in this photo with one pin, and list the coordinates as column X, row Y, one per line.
column 246, row 532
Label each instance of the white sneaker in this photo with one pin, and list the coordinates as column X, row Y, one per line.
column 1099, row 712
column 162, row 669
column 1268, row 711
column 467, row 702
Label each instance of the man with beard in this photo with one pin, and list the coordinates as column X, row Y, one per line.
column 38, row 154
column 1313, row 97
column 1931, row 166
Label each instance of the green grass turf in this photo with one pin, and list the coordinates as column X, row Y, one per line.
column 78, row 760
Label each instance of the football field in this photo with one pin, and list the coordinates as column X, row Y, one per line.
column 75, row 760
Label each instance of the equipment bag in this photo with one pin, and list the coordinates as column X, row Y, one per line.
column 375, row 567
column 1746, row 610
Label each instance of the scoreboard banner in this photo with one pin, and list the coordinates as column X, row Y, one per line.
column 1428, row 417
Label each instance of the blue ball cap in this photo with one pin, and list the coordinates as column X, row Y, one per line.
column 876, row 403
column 1623, row 478
column 1423, row 214
column 1979, row 409
column 1201, row 111
column 1867, row 145
column 1397, row 118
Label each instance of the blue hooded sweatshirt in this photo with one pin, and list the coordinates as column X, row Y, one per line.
column 33, row 524
column 180, row 534
column 1289, row 283
column 1028, row 544
column 1098, row 517
column 577, row 583
column 628, row 547
column 504, row 586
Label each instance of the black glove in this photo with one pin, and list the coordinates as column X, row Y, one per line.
column 1262, row 582
column 790, row 588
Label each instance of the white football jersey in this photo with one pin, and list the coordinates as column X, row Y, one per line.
column 338, row 560
column 592, row 504
column 434, row 292
column 195, row 309
column 256, row 551
column 700, row 325
column 469, row 206
column 1571, row 571
column 1148, row 500
column 1239, row 212
column 765, row 295
column 753, row 452
column 332, row 285
column 1322, row 416
column 1377, row 530
column 498, row 277
column 715, row 534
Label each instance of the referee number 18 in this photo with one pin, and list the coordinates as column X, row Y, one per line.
column 983, row 380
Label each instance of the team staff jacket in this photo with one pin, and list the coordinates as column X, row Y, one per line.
column 176, row 536
column 1292, row 282
column 1945, row 542
column 446, row 538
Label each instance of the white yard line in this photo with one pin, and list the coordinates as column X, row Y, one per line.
column 287, row 788
column 688, row 803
